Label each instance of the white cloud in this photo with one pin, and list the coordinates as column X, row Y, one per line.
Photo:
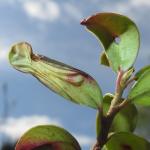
column 3, row 51
column 140, row 3
column 85, row 140
column 131, row 8
column 72, row 11
column 15, row 127
column 45, row 10
column 3, row 55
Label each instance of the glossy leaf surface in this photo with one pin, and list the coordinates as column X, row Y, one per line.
column 119, row 37
column 125, row 120
column 71, row 83
column 140, row 92
column 126, row 141
column 47, row 137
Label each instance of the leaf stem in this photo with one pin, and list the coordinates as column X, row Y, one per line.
column 115, row 107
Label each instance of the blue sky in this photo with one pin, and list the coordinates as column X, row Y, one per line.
column 53, row 29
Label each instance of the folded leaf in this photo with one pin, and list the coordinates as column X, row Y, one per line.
column 47, row 137
column 119, row 36
column 125, row 120
column 140, row 92
column 126, row 141
column 104, row 60
column 71, row 83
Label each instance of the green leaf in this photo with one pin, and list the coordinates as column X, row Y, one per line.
column 47, row 137
column 142, row 71
column 140, row 92
column 104, row 60
column 119, row 37
column 126, row 141
column 125, row 120
column 71, row 83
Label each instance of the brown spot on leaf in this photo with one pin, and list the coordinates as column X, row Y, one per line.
column 75, row 79
column 78, row 77
column 126, row 147
column 40, row 146
column 45, row 147
column 35, row 57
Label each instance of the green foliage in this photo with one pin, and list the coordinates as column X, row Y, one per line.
column 125, row 120
column 119, row 36
column 116, row 115
column 140, row 92
column 142, row 71
column 47, row 137
column 126, row 141
column 73, row 84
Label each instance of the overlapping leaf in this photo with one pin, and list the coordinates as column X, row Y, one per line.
column 119, row 36
column 126, row 141
column 71, row 83
column 140, row 92
column 47, row 137
column 125, row 120
column 142, row 71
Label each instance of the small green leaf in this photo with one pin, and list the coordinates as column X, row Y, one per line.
column 142, row 71
column 47, row 137
column 140, row 92
column 126, row 141
column 71, row 83
column 119, row 37
column 104, row 60
column 125, row 120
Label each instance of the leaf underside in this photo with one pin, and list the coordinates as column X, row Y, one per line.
column 73, row 84
column 119, row 37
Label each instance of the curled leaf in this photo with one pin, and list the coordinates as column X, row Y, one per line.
column 104, row 60
column 73, row 84
column 119, row 37
column 126, row 141
column 47, row 137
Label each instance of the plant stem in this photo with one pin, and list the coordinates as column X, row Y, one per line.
column 115, row 107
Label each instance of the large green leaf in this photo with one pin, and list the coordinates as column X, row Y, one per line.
column 119, row 36
column 71, row 83
column 140, row 92
column 125, row 120
column 126, row 141
column 47, row 137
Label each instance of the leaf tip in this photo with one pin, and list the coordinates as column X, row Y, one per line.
column 83, row 22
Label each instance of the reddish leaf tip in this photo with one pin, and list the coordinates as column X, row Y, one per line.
column 83, row 22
